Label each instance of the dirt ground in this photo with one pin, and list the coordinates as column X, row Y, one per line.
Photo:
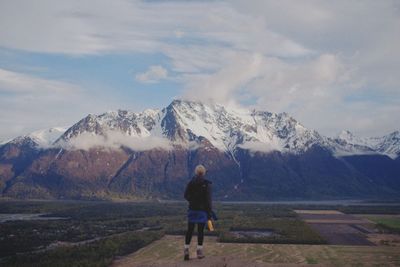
column 318, row 212
column 338, row 228
column 341, row 234
column 167, row 252
column 385, row 239
column 333, row 218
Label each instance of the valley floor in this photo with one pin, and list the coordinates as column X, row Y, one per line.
column 167, row 252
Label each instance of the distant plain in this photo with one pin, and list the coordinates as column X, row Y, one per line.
column 104, row 233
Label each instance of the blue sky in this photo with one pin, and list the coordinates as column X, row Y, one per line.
column 332, row 65
column 110, row 74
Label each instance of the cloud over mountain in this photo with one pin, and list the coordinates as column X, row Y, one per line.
column 317, row 60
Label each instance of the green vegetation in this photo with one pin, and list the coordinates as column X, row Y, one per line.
column 100, row 253
column 91, row 233
column 311, row 260
column 94, row 233
column 284, row 231
column 387, row 224
column 83, row 221
column 365, row 208
column 279, row 219
column 390, row 222
column 373, row 209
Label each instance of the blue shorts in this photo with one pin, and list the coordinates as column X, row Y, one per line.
column 197, row 216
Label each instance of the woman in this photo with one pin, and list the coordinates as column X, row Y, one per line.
column 198, row 193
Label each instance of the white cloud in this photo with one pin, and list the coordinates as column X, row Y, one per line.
column 152, row 75
column 276, row 84
column 311, row 56
column 11, row 81
column 179, row 34
column 283, row 85
column 85, row 27
column 116, row 140
column 29, row 103
column 221, row 86
column 261, row 147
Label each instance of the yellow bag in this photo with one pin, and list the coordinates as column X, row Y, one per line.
column 210, row 225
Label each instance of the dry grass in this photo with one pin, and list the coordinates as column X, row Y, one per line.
column 168, row 252
column 318, row 212
column 330, row 216
column 331, row 221
column 385, row 239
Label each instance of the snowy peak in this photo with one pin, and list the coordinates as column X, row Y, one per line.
column 192, row 124
column 228, row 128
column 129, row 123
column 45, row 138
column 348, row 136
column 388, row 145
column 351, row 138
column 40, row 139
column 187, row 122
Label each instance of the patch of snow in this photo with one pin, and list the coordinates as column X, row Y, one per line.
column 212, row 126
column 350, row 144
column 45, row 138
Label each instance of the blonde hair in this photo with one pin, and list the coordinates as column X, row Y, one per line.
column 200, row 170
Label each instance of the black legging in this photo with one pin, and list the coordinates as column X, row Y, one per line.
column 200, row 233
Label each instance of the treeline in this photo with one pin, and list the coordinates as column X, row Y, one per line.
column 99, row 253
column 82, row 221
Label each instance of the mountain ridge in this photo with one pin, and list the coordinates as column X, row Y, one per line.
column 183, row 122
column 250, row 155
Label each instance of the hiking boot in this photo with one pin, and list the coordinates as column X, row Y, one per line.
column 186, row 254
column 200, row 254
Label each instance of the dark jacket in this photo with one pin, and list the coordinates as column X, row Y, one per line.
column 198, row 193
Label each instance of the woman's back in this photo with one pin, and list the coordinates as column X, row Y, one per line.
column 198, row 193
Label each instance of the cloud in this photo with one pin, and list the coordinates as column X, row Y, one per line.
column 317, row 60
column 29, row 103
column 81, row 27
column 179, row 34
column 153, row 75
column 116, row 140
column 273, row 82
column 220, row 86
column 15, row 82
column 261, row 146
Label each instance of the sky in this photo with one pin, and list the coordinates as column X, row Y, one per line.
column 332, row 65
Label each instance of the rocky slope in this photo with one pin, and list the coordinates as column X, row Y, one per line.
column 250, row 154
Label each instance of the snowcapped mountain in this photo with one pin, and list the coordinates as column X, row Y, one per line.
column 41, row 138
column 350, row 138
column 191, row 124
column 187, row 123
column 227, row 128
column 126, row 122
column 45, row 138
column 160, row 149
column 347, row 144
column 388, row 145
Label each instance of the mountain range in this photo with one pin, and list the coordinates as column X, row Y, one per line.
column 249, row 155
